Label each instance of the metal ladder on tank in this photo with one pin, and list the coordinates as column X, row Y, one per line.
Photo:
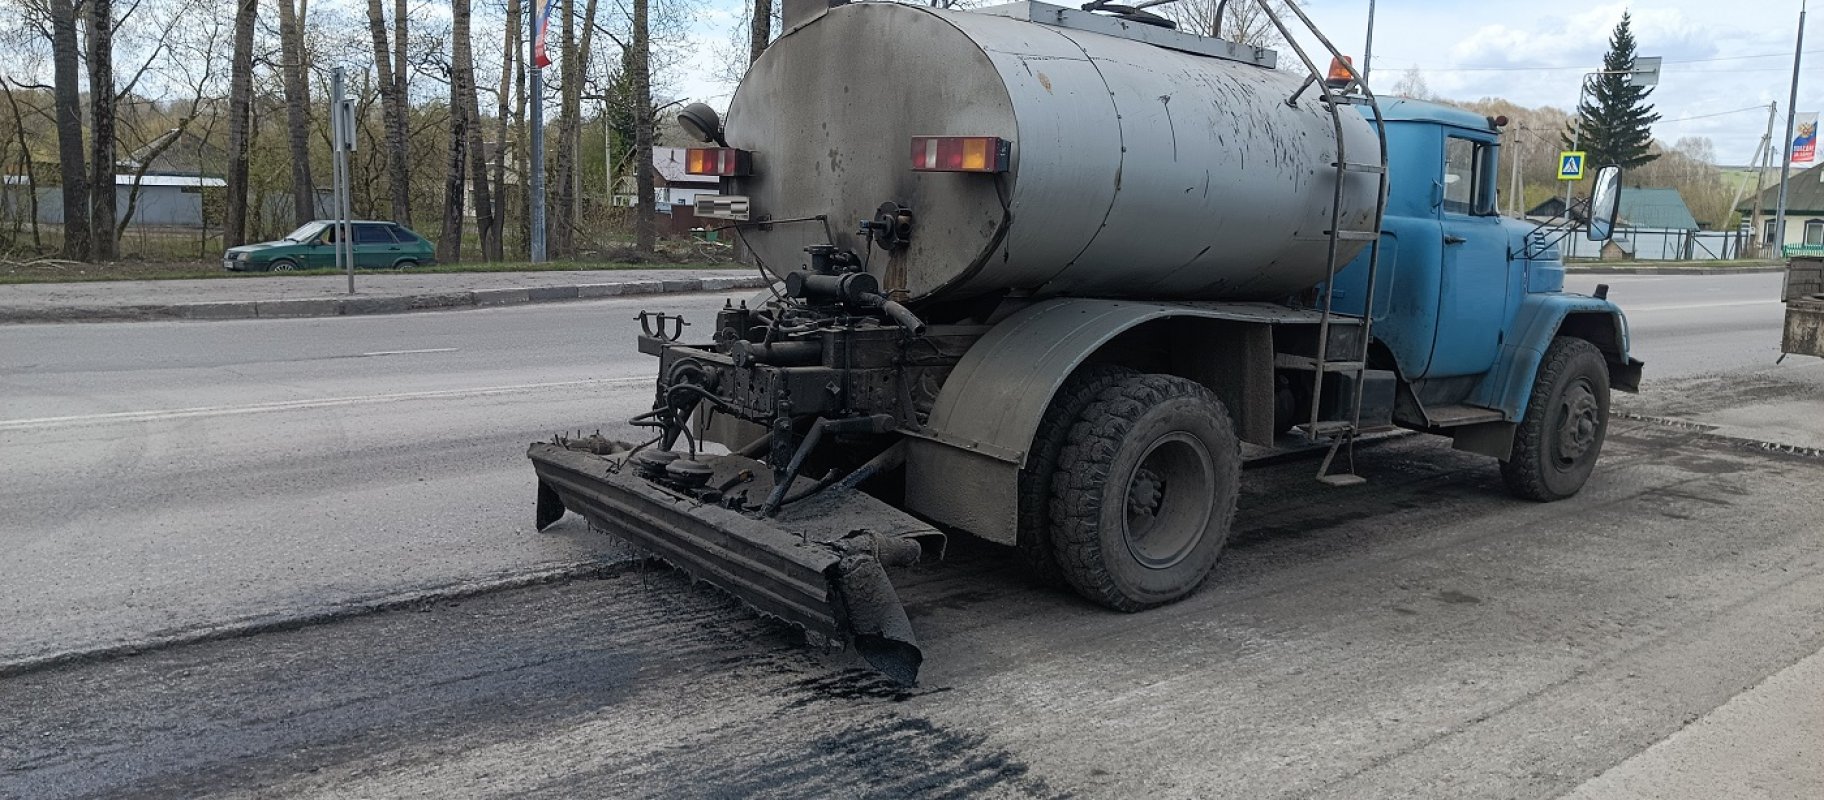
column 1337, row 99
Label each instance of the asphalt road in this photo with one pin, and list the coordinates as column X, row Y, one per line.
column 1711, row 343
column 163, row 478
column 1422, row 636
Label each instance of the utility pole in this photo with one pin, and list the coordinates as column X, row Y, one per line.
column 1514, row 201
column 1368, row 46
column 1792, row 99
column 1759, row 165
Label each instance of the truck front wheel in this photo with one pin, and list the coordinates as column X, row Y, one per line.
column 1145, row 492
column 1556, row 445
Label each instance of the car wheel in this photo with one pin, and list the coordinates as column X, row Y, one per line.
column 405, row 264
column 282, row 265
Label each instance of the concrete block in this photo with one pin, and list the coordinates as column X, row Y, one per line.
column 539, row 294
column 442, row 300
column 376, row 305
column 724, row 284
column 497, row 297
column 301, row 307
column 642, row 287
column 599, row 289
column 681, row 285
column 244, row 309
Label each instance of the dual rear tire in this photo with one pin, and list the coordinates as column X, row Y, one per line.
column 1144, row 471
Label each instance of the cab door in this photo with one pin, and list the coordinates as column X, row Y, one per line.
column 1473, row 286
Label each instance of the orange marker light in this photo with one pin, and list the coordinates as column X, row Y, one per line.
column 1339, row 71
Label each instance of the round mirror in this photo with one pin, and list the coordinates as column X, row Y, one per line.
column 1605, row 203
column 700, row 122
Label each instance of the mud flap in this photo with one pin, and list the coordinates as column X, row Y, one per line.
column 820, row 564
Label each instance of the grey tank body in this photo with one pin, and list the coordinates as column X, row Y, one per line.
column 1136, row 171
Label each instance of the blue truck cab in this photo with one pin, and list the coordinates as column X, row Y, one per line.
column 1469, row 304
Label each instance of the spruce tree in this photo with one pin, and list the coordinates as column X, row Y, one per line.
column 1616, row 118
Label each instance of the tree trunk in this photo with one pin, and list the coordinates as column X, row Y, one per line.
column 449, row 243
column 297, row 111
column 73, row 174
column 761, row 32
column 462, row 87
column 31, row 169
column 392, row 108
column 509, row 67
column 240, row 108
column 643, row 223
column 570, row 101
column 102, row 211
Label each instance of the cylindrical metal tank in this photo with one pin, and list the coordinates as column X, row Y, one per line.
column 1136, row 171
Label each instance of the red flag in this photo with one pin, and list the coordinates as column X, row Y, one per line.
column 540, row 56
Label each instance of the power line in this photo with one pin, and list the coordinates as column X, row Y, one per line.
column 1762, row 107
column 1586, row 66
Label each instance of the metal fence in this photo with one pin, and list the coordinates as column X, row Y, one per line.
column 1647, row 244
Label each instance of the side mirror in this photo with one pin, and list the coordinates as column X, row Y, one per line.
column 1605, row 203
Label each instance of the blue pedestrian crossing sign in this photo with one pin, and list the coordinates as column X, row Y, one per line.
column 1570, row 165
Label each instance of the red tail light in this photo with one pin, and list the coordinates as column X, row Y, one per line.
column 726, row 161
column 960, row 153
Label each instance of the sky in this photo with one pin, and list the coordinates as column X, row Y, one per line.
column 1733, row 56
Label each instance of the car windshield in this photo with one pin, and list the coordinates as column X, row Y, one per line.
column 304, row 233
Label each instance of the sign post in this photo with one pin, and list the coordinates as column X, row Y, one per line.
column 342, row 142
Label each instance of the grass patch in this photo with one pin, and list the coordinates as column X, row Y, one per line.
column 44, row 271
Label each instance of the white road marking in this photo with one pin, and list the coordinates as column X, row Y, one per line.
column 294, row 405
column 409, row 352
column 1695, row 306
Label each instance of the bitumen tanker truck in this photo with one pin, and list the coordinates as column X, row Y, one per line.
column 1036, row 273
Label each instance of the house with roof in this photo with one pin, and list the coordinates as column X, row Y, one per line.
column 1804, row 212
column 1650, row 223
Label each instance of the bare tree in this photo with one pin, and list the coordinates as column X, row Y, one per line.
column 1241, row 21
column 73, row 174
column 240, row 110
column 392, row 108
column 297, row 107
column 449, row 242
column 462, row 85
column 1412, row 84
column 761, row 31
column 102, row 246
column 640, row 65
column 25, row 155
column 509, row 68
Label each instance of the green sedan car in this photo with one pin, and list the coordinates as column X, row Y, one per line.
column 378, row 245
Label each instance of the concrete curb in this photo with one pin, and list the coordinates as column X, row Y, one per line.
column 293, row 308
column 1594, row 270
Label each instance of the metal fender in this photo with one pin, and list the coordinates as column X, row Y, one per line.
column 1540, row 318
column 963, row 468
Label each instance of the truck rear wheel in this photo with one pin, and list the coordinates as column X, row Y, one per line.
column 1079, row 390
column 1145, row 492
column 1556, row 445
